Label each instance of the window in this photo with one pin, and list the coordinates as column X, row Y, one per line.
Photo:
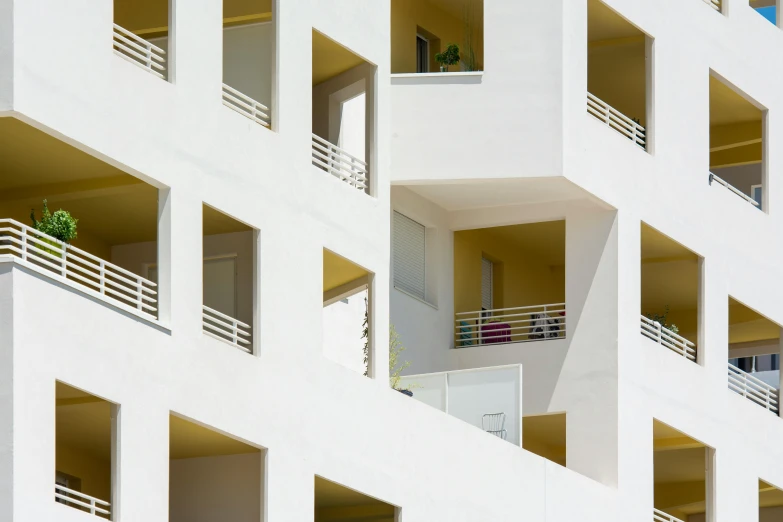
column 487, row 278
column 422, row 54
column 408, row 255
column 756, row 194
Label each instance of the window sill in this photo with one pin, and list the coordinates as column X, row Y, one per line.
column 419, row 299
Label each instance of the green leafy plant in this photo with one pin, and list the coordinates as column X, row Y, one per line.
column 60, row 224
column 662, row 319
column 395, row 350
column 448, row 57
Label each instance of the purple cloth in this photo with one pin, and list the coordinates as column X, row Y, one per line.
column 495, row 333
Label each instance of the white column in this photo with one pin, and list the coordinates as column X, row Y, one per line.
column 713, row 313
column 116, row 475
column 587, row 387
column 196, row 48
column 6, row 55
column 6, row 392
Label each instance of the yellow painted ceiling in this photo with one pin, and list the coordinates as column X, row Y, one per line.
column 330, row 58
column 657, row 247
column 769, row 495
column 456, row 8
column 679, row 476
column 728, row 106
column 545, row 240
column 216, row 222
column 746, row 325
column 150, row 16
column 338, row 271
column 82, row 422
column 545, row 435
column 331, row 494
column 189, row 440
column 112, row 207
column 605, row 24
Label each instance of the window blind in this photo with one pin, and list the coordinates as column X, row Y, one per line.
column 408, row 255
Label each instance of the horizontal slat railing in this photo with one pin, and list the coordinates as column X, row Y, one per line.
column 92, row 505
column 139, row 51
column 339, row 163
column 736, row 191
column 59, row 260
column 680, row 345
column 226, row 328
column 660, row 516
column 753, row 388
column 715, row 4
column 510, row 325
column 616, row 120
column 245, row 105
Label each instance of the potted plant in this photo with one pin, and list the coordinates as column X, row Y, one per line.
column 59, row 225
column 395, row 349
column 448, row 57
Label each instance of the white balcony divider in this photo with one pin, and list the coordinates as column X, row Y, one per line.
column 510, row 325
column 139, row 51
column 660, row 516
column 245, row 105
column 753, row 389
column 226, row 328
column 339, row 163
column 715, row 4
column 738, row 192
column 73, row 498
column 61, row 261
column 616, row 120
column 680, row 345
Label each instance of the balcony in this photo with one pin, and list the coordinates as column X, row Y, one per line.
column 715, row 4
column 488, row 398
column 753, row 389
column 618, row 71
column 669, row 293
column 140, row 36
column 510, row 325
column 140, row 52
column 74, row 267
column 343, row 119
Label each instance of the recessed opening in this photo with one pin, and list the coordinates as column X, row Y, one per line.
column 683, row 474
column 545, row 435
column 141, row 34
column 229, row 278
column 84, row 450
column 423, row 29
column 248, row 58
column 343, row 111
column 770, row 502
column 619, row 65
column 115, row 213
column 509, row 284
column 213, row 476
column 334, row 503
column 766, row 8
column 346, row 324
column 670, row 293
column 737, row 142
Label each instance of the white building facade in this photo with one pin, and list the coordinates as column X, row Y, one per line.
column 533, row 220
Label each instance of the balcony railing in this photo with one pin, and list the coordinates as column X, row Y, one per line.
column 245, row 105
column 339, row 163
column 226, row 328
column 616, row 120
column 753, row 389
column 139, row 51
column 680, row 345
column 510, row 325
column 736, row 191
column 61, row 261
column 715, row 4
column 660, row 516
column 72, row 498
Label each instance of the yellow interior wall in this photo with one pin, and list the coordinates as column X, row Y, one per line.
column 95, row 473
column 408, row 15
column 524, row 279
column 616, row 74
column 673, row 283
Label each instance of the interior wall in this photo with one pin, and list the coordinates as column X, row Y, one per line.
column 207, row 489
column 741, row 177
column 616, row 74
column 342, row 332
column 95, row 473
column 138, row 256
column 526, row 279
column 247, row 60
column 407, row 16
